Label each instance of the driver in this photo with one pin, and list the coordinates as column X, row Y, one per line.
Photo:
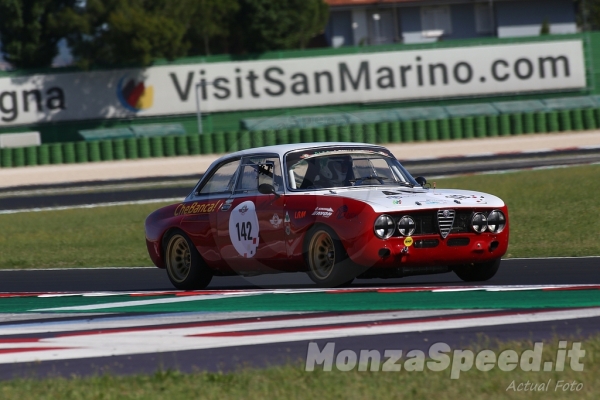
column 335, row 171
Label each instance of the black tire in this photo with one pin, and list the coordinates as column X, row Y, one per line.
column 477, row 272
column 185, row 267
column 327, row 261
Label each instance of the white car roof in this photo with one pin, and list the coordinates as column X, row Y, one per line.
column 282, row 149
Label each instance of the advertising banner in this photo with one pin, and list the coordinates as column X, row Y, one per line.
column 296, row 82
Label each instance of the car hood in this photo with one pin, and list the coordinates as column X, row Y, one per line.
column 396, row 199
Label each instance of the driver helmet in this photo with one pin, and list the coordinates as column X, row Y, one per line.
column 334, row 171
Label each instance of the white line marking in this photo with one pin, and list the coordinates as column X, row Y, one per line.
column 137, row 303
column 112, row 204
column 308, row 320
column 172, row 339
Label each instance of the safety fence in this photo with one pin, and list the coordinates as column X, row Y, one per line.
column 407, row 131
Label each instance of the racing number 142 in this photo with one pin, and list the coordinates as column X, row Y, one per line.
column 244, row 230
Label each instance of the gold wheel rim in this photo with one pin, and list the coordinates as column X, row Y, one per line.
column 321, row 255
column 179, row 258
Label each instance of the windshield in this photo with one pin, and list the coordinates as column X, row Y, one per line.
column 326, row 169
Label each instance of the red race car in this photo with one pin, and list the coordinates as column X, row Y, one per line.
column 334, row 210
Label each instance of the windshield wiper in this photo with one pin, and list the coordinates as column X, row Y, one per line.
column 359, row 181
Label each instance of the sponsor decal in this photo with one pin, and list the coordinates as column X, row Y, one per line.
column 197, row 208
column 394, row 197
column 458, row 197
column 244, row 229
column 134, row 95
column 408, row 241
column 396, row 202
column 323, row 212
column 342, row 212
column 431, row 202
column 299, row 214
column 275, row 221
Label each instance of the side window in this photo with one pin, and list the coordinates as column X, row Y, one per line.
column 258, row 170
column 222, row 180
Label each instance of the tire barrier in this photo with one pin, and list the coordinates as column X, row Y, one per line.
column 144, row 147
column 18, row 157
column 283, row 136
column 31, row 155
column 517, row 124
column 420, row 130
column 357, row 133
column 565, row 121
column 370, row 133
column 529, row 123
column 181, row 146
column 131, row 148
column 457, row 129
column 383, row 132
column 118, row 149
column 69, row 153
column 306, row 135
column 271, row 137
column 553, row 125
column 481, row 126
column 505, row 125
column 231, row 142
column 56, row 154
column 219, row 143
column 344, row 133
column 256, row 139
column 93, row 151
column 6, row 157
column 206, row 144
column 332, row 133
column 469, row 128
column 406, row 131
column 541, row 125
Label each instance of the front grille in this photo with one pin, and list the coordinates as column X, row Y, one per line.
column 445, row 220
column 434, row 222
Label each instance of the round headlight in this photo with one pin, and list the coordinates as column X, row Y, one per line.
column 496, row 221
column 479, row 222
column 406, row 226
column 384, row 227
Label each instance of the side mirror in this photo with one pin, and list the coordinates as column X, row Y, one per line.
column 421, row 181
column 265, row 188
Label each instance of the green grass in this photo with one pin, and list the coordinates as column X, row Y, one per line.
column 96, row 237
column 552, row 213
column 293, row 382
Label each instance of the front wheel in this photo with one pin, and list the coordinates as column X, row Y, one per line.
column 185, row 268
column 327, row 261
column 475, row 272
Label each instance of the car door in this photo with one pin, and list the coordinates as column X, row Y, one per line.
column 251, row 229
column 202, row 207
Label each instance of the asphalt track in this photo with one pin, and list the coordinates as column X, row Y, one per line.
column 288, row 332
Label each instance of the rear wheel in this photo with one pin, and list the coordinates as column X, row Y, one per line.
column 475, row 272
column 185, row 268
column 327, row 260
